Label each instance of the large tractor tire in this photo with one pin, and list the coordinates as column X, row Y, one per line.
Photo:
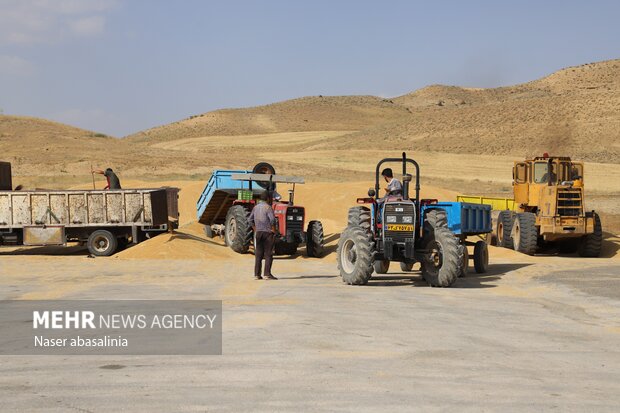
column 436, row 218
column 592, row 243
column 359, row 216
column 238, row 233
column 264, row 168
column 102, row 243
column 524, row 233
column 355, row 256
column 505, row 221
column 481, row 257
column 406, row 266
column 381, row 266
column 443, row 261
column 315, row 239
column 285, row 248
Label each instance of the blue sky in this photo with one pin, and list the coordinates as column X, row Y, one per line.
column 119, row 66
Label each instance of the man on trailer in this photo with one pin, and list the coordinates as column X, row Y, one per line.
column 113, row 181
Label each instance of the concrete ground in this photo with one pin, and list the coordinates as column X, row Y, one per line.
column 525, row 336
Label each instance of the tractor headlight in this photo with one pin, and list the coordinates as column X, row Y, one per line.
column 289, row 218
column 390, row 219
column 407, row 220
column 300, row 218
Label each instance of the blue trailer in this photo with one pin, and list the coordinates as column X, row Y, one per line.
column 465, row 220
column 230, row 195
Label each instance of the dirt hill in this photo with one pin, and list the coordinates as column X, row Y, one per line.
column 314, row 113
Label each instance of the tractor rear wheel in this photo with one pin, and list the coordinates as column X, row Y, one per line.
column 315, row 239
column 524, row 233
column 505, row 221
column 238, row 233
column 381, row 266
column 355, row 256
column 359, row 216
column 406, row 266
column 481, row 257
column 592, row 243
column 442, row 262
column 436, row 218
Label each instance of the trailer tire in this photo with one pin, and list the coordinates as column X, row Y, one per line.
column 102, row 243
column 592, row 243
column 465, row 260
column 315, row 239
column 381, row 266
column 209, row 231
column 441, row 267
column 406, row 266
column 359, row 216
column 238, row 233
column 505, row 221
column 524, row 233
column 481, row 257
column 355, row 256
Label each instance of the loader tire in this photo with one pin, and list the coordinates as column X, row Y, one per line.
column 355, row 255
column 505, row 221
column 443, row 263
column 238, row 233
column 381, row 266
column 524, row 233
column 406, row 266
column 359, row 216
column 315, row 239
column 102, row 243
column 481, row 257
column 592, row 243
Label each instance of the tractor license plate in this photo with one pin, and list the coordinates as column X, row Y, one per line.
column 399, row 227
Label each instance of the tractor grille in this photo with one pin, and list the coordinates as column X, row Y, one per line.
column 294, row 224
column 569, row 202
column 399, row 214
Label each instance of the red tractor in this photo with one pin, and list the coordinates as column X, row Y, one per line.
column 228, row 198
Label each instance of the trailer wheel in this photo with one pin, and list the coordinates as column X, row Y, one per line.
column 591, row 243
column 355, row 256
column 102, row 243
column 465, row 260
column 381, row 266
column 315, row 242
column 359, row 216
column 481, row 257
column 505, row 221
column 524, row 233
column 443, row 261
column 406, row 266
column 238, row 233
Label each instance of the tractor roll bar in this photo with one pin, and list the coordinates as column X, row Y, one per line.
column 404, row 161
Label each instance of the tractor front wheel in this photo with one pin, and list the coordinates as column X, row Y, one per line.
column 355, row 256
column 315, row 239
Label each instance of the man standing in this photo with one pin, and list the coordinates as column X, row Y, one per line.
column 113, row 181
column 263, row 223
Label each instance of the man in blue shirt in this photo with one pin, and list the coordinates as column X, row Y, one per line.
column 263, row 223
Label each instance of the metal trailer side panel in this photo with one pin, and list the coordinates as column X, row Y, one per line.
column 20, row 207
column 5, row 209
column 220, row 179
column 465, row 218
